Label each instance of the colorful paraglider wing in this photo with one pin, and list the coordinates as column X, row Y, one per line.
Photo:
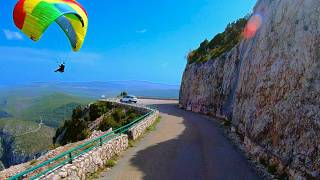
column 33, row 17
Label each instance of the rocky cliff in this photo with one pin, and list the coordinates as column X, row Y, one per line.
column 21, row 141
column 11, row 154
column 268, row 86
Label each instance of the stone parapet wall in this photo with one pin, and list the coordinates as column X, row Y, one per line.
column 136, row 131
column 90, row 162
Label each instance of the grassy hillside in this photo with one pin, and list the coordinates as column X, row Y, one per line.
column 53, row 108
column 16, row 103
column 27, row 143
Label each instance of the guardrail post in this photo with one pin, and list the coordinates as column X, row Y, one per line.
column 70, row 158
column 100, row 141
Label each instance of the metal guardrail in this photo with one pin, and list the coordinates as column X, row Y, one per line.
column 68, row 156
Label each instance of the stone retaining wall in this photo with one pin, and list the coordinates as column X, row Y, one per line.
column 136, row 131
column 90, row 162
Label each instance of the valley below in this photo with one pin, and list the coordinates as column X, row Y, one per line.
column 23, row 134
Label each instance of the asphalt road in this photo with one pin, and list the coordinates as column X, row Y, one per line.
column 184, row 146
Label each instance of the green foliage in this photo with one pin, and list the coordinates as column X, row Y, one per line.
column 118, row 118
column 131, row 143
column 77, row 128
column 94, row 112
column 98, row 109
column 33, row 162
column 74, row 130
column 154, row 125
column 111, row 163
column 118, row 114
column 77, row 113
column 107, row 123
column 124, row 93
column 220, row 44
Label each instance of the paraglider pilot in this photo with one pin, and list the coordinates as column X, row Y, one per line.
column 61, row 68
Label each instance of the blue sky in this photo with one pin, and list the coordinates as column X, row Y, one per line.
column 126, row 40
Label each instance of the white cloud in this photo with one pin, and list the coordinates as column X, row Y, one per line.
column 12, row 35
column 141, row 31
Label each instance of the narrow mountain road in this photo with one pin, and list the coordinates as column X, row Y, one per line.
column 184, row 146
column 32, row 131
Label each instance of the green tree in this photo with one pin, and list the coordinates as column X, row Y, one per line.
column 94, row 112
column 107, row 123
column 124, row 93
column 77, row 113
column 74, row 130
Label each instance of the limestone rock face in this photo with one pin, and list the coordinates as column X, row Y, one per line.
column 278, row 95
column 274, row 98
column 208, row 87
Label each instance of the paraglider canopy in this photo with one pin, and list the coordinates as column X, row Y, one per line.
column 33, row 17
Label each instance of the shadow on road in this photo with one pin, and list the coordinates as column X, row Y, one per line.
column 200, row 152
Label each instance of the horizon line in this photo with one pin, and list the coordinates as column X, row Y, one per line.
column 109, row 81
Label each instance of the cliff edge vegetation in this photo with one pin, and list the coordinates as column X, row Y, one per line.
column 221, row 43
column 97, row 116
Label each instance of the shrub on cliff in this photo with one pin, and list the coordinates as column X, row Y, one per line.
column 221, row 43
column 118, row 118
column 98, row 109
column 77, row 128
column 73, row 130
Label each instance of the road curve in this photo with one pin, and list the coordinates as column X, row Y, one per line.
column 32, row 131
column 184, row 146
